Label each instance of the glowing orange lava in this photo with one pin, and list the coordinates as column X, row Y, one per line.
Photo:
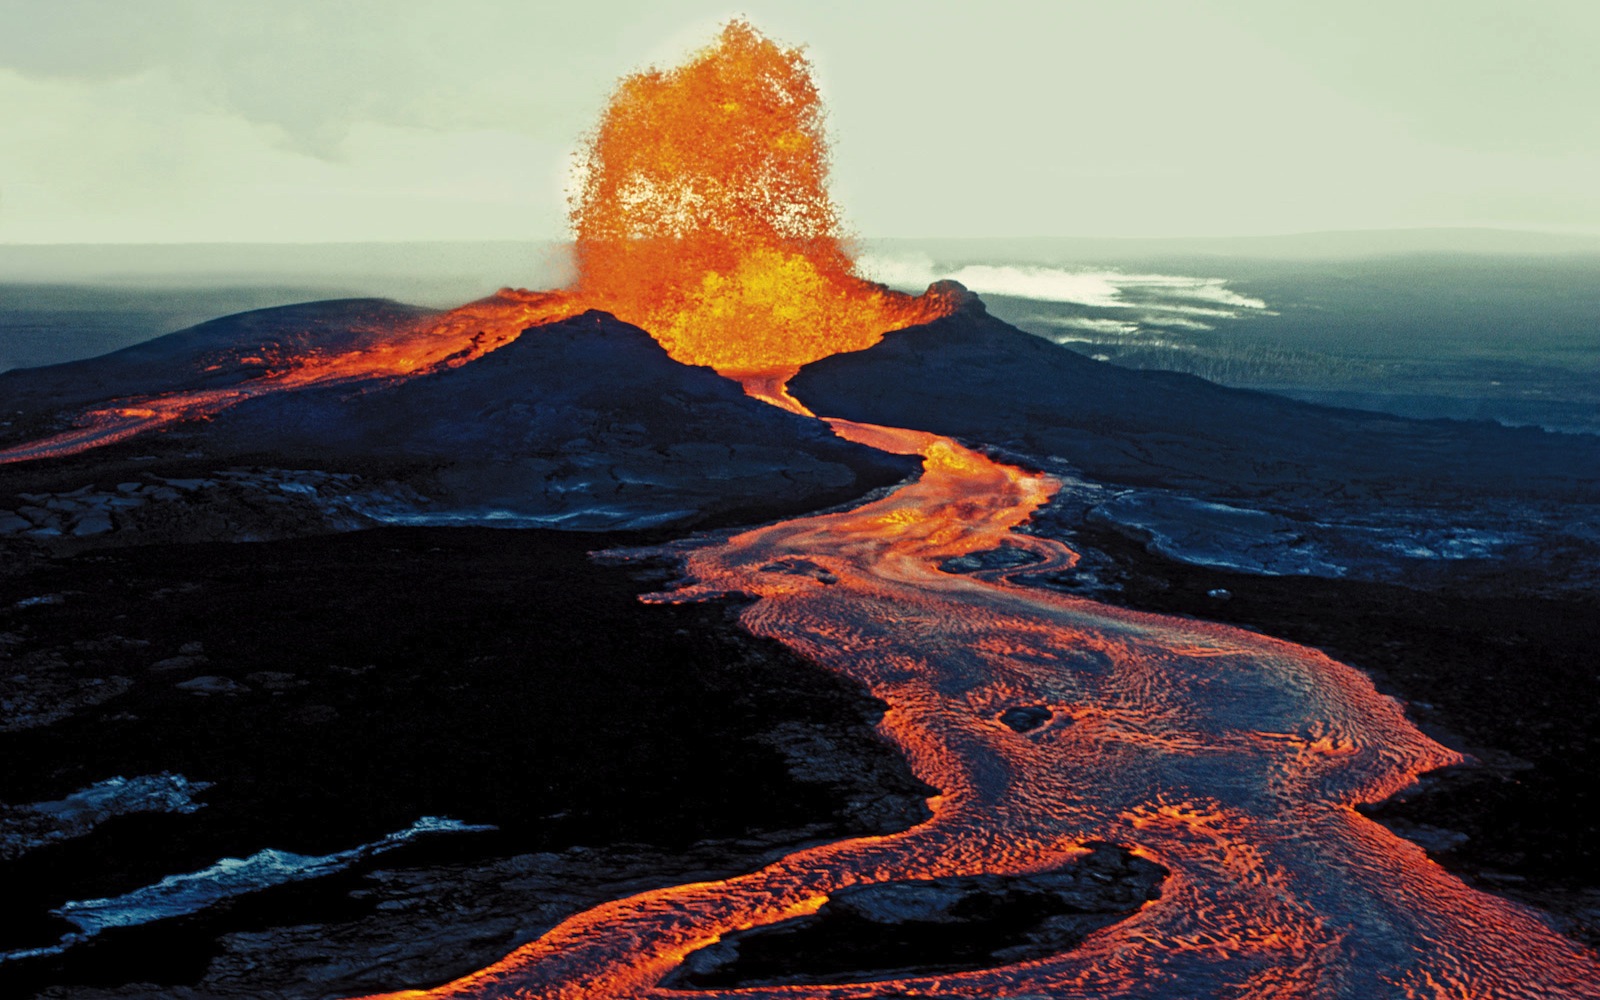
column 1232, row 759
column 459, row 336
column 704, row 216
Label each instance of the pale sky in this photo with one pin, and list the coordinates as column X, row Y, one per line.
column 359, row 120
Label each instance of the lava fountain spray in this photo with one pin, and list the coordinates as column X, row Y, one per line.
column 703, row 215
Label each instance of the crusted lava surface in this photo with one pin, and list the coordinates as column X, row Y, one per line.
column 1505, row 674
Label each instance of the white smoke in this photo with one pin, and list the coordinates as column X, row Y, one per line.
column 1089, row 323
column 1151, row 294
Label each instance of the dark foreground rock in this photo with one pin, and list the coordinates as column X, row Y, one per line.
column 317, row 695
column 892, row 930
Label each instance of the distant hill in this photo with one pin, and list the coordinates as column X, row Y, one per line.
column 974, row 377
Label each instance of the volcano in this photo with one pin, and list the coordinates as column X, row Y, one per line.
column 728, row 622
column 584, row 421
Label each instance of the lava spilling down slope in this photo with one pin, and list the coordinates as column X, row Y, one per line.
column 383, row 345
column 1232, row 761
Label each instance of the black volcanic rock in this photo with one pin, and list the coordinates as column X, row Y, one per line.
column 493, row 677
column 972, row 376
column 891, row 930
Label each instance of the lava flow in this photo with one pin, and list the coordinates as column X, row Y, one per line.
column 1232, row 759
column 448, row 341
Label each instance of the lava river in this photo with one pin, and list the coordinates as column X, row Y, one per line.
column 1232, row 759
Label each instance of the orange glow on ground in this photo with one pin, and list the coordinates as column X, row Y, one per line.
column 456, row 338
column 1232, row 759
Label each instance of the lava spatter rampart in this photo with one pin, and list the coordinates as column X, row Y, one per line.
column 1232, row 759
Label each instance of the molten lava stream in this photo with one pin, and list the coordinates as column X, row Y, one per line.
column 448, row 341
column 1232, row 759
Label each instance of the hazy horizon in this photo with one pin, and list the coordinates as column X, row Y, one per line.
column 1476, row 324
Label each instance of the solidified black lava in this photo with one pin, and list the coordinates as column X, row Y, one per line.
column 586, row 422
column 332, row 690
column 1004, row 557
column 892, row 930
column 329, row 691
